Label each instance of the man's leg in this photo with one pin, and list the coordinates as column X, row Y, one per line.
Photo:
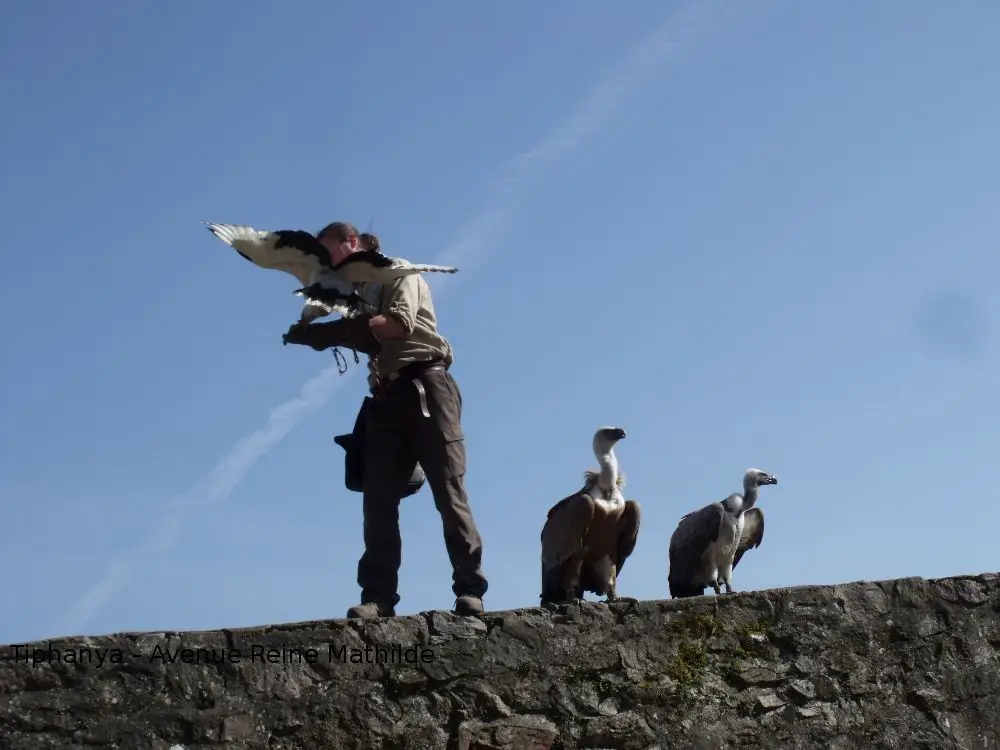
column 389, row 464
column 439, row 445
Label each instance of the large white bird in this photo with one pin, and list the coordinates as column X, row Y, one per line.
column 588, row 536
column 300, row 254
column 708, row 543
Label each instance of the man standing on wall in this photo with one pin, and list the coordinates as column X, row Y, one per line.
column 416, row 416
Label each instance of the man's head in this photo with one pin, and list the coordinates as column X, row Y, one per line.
column 342, row 239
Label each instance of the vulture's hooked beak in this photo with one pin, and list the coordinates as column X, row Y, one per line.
column 768, row 479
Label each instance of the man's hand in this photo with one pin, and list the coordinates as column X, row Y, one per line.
column 352, row 333
column 299, row 333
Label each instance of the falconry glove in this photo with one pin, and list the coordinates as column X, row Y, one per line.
column 351, row 333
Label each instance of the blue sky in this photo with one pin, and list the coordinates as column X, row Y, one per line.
column 771, row 244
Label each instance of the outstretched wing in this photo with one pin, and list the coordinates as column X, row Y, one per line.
column 753, row 533
column 290, row 250
column 628, row 533
column 693, row 534
column 374, row 266
column 565, row 529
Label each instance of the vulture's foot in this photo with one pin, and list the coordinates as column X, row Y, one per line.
column 622, row 600
column 569, row 601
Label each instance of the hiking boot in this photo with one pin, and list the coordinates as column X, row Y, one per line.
column 371, row 609
column 468, row 606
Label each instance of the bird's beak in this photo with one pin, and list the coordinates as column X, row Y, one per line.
column 769, row 479
column 619, row 434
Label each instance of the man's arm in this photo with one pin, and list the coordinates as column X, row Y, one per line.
column 401, row 301
column 363, row 333
column 386, row 327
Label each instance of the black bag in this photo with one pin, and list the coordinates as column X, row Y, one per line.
column 353, row 444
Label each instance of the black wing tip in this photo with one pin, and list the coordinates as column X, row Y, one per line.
column 303, row 241
column 375, row 257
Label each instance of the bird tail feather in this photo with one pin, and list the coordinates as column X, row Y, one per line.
column 553, row 590
column 684, row 589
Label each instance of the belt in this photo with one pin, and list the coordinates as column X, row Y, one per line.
column 409, row 373
column 413, row 370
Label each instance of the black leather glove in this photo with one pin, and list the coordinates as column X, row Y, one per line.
column 352, row 333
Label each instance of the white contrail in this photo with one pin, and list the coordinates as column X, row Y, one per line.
column 603, row 101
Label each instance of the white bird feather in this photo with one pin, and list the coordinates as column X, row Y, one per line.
column 371, row 266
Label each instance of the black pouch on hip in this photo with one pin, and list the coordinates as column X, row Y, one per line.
column 353, row 444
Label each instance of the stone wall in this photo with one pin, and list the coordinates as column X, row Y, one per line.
column 893, row 664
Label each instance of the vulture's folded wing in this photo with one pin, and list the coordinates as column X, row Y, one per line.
column 628, row 532
column 565, row 529
column 692, row 536
column 753, row 533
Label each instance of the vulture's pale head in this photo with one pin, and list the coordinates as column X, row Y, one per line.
column 606, row 438
column 757, row 478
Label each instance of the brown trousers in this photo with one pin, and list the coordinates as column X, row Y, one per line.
column 416, row 419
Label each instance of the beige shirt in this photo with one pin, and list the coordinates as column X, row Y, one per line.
column 409, row 300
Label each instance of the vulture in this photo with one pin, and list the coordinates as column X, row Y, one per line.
column 709, row 543
column 588, row 536
column 300, row 254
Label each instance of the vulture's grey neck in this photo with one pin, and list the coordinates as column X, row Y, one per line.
column 607, row 480
column 737, row 504
column 750, row 496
